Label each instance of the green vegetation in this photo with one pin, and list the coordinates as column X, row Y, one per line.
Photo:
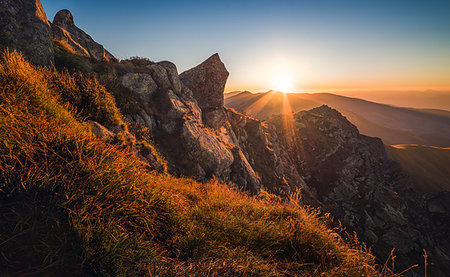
column 72, row 204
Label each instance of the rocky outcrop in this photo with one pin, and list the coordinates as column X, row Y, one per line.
column 66, row 32
column 198, row 142
column 207, row 82
column 350, row 176
column 24, row 27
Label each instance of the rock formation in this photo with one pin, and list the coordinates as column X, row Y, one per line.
column 350, row 176
column 66, row 32
column 207, row 82
column 24, row 27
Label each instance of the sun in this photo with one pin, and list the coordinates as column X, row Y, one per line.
column 283, row 82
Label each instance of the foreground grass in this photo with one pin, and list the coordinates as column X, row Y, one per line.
column 71, row 204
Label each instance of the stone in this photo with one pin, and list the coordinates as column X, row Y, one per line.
column 24, row 27
column 207, row 82
column 206, row 149
column 65, row 31
column 159, row 74
column 215, row 119
column 172, row 74
column 243, row 174
column 140, row 83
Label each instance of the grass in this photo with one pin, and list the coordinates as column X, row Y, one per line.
column 67, row 58
column 72, row 204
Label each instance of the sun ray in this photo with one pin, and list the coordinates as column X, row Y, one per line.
column 258, row 105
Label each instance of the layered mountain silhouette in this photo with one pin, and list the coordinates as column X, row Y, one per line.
column 395, row 125
column 310, row 149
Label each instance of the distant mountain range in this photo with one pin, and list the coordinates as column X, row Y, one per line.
column 394, row 125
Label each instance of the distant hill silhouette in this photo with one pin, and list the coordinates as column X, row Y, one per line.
column 394, row 125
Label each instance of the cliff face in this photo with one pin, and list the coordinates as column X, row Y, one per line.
column 24, row 26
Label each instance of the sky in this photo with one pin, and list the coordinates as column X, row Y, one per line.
column 319, row 45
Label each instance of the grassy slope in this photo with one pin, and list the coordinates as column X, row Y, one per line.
column 71, row 204
column 429, row 166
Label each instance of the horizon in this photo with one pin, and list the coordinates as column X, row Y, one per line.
column 294, row 45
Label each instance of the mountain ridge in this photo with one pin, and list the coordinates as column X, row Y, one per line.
column 395, row 125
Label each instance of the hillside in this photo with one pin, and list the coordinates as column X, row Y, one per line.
column 90, row 207
column 429, row 166
column 395, row 125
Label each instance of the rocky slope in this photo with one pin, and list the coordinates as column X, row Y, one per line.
column 350, row 176
column 65, row 31
column 317, row 151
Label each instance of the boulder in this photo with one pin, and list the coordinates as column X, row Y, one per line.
column 24, row 27
column 140, row 83
column 66, row 32
column 207, row 82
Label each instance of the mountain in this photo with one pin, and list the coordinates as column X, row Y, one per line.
column 395, row 125
column 134, row 169
column 435, row 99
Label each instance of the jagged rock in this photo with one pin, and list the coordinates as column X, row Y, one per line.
column 204, row 148
column 24, row 26
column 263, row 152
column 65, row 31
column 215, row 119
column 207, row 82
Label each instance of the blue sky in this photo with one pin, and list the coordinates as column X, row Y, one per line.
column 317, row 44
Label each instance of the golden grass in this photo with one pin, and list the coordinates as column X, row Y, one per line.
column 71, row 203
